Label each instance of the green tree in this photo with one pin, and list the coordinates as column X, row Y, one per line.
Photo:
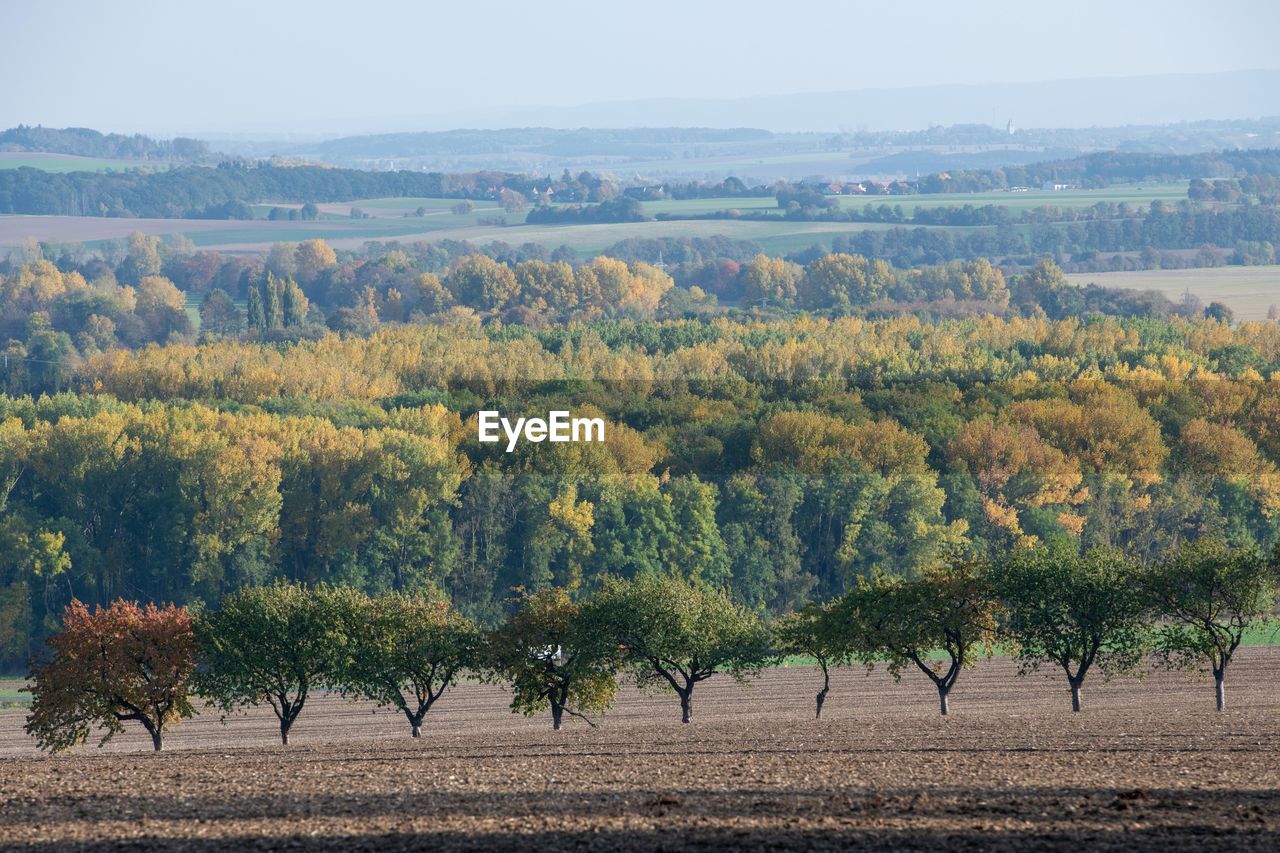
column 256, row 314
column 552, row 658
column 408, row 651
column 293, row 304
column 813, row 632
column 1221, row 312
column 219, row 315
column 481, row 283
column 842, row 281
column 766, row 280
column 939, row 621
column 142, row 258
column 1076, row 611
column 272, row 302
column 1213, row 594
column 677, row 633
column 276, row 644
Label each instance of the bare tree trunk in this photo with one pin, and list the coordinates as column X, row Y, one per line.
column 686, row 705
column 557, row 715
column 821, row 697
column 1220, row 688
column 284, row 733
column 155, row 739
column 942, row 698
column 1075, row 697
column 417, row 730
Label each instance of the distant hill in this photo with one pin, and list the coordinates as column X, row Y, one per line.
column 1153, row 99
column 631, row 141
column 84, row 142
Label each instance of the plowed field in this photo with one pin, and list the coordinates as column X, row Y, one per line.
column 1148, row 764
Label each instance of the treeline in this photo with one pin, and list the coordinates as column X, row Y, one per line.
column 1106, row 168
column 1257, row 189
column 56, row 314
column 625, row 209
column 1096, row 613
column 143, row 290
column 1089, row 170
column 83, row 142
column 225, row 192
column 780, row 461
column 1101, row 243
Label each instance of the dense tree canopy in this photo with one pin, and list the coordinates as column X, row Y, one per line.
column 115, row 665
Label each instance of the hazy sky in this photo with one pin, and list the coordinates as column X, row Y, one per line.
column 270, row 66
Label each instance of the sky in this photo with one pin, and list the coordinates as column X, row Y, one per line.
column 280, row 67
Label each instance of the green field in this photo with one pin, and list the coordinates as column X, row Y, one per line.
column 1136, row 194
column 14, row 693
column 782, row 236
column 1248, row 291
column 1019, row 202
column 71, row 163
column 774, row 237
column 388, row 222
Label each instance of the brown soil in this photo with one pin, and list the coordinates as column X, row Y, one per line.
column 1148, row 764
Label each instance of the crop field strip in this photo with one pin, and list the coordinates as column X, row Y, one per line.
column 1249, row 291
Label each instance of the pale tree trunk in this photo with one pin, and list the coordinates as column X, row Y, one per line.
column 415, row 721
column 1220, row 687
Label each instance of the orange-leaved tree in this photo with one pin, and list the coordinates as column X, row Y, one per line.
column 119, row 663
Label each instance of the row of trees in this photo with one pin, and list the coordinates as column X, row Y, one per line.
column 1099, row 610
column 1163, row 227
column 275, row 645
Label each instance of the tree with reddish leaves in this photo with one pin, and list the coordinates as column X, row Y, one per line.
column 118, row 664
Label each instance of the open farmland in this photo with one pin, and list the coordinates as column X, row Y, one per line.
column 1148, row 764
column 49, row 162
column 220, row 234
column 394, row 219
column 1016, row 202
column 256, row 235
column 1248, row 291
column 1020, row 202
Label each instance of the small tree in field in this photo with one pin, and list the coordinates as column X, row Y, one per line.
column 949, row 610
column 111, row 666
column 274, row 644
column 812, row 632
column 553, row 660
column 1076, row 611
column 1212, row 594
column 677, row 633
column 406, row 651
